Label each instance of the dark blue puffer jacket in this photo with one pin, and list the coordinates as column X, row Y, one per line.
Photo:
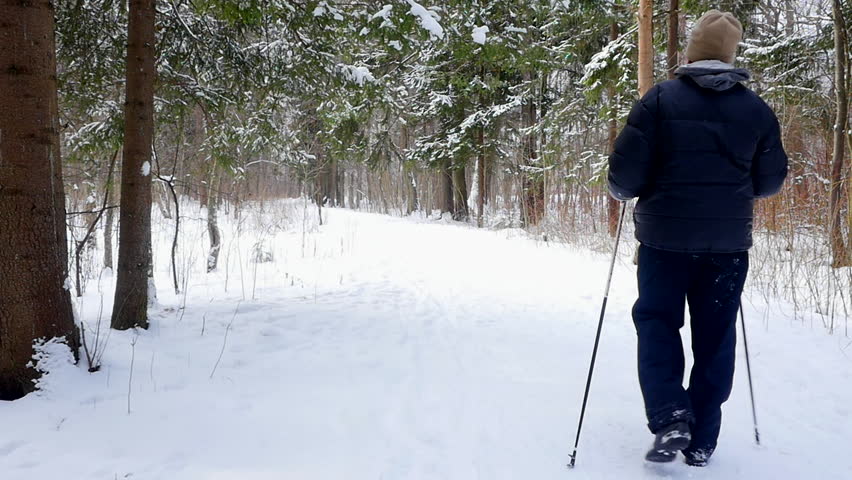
column 697, row 151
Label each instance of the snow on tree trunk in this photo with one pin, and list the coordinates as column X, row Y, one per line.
column 35, row 302
column 213, row 223
column 134, row 259
column 414, row 202
column 476, row 200
column 474, row 196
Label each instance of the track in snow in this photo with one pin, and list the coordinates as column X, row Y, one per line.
column 397, row 349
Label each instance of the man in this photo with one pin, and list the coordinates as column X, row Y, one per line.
column 697, row 151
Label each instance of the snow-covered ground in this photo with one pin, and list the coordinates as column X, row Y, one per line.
column 381, row 348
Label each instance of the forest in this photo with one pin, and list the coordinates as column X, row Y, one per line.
column 141, row 139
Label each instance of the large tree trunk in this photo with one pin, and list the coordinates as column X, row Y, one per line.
column 840, row 256
column 134, row 258
column 34, row 299
column 646, row 46
column 673, row 43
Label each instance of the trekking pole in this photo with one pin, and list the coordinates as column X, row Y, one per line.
column 598, row 334
column 748, row 369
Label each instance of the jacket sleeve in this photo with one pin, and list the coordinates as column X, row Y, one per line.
column 769, row 166
column 632, row 158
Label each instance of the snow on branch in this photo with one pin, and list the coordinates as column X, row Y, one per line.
column 359, row 75
column 615, row 52
column 428, row 19
column 384, row 13
column 480, row 34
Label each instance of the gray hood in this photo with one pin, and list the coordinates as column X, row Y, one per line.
column 713, row 74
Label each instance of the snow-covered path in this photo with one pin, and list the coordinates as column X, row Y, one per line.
column 394, row 349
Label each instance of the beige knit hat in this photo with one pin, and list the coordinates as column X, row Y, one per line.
column 715, row 36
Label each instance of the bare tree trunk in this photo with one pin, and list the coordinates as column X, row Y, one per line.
column 169, row 184
column 333, row 183
column 446, row 187
column 424, row 181
column 646, row 46
column 479, row 187
column 213, row 221
column 35, row 302
column 358, row 190
column 134, row 249
column 350, row 191
column 382, row 195
column 409, row 178
column 340, row 189
column 480, row 177
column 673, row 43
column 612, row 203
column 840, row 256
column 84, row 244
column 164, row 203
column 203, row 192
column 789, row 18
column 460, row 193
column 406, row 184
column 109, row 227
column 542, row 146
column 89, row 241
column 414, row 204
column 488, row 193
column 612, row 206
column 533, row 182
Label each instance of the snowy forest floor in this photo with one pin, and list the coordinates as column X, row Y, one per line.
column 383, row 348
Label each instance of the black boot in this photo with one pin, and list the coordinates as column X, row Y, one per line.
column 668, row 442
column 697, row 457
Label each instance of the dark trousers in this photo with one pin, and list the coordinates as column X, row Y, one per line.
column 711, row 284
